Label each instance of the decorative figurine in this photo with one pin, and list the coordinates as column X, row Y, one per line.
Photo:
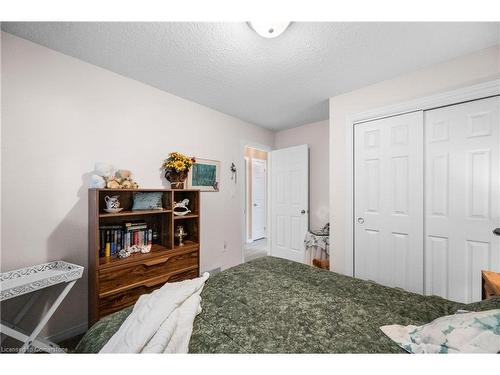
column 180, row 208
column 233, row 172
column 180, row 234
column 125, row 253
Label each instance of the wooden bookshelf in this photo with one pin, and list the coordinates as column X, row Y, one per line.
column 116, row 283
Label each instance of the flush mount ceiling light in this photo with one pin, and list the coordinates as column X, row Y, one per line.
column 269, row 29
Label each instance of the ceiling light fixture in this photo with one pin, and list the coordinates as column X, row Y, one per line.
column 269, row 29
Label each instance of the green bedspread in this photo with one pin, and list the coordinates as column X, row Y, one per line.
column 272, row 305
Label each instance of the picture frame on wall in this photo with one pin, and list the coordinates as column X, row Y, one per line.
column 204, row 175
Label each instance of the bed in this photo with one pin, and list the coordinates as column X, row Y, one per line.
column 272, row 305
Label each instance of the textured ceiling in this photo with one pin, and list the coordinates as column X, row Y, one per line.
column 275, row 83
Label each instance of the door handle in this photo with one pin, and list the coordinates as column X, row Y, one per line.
column 255, row 204
column 496, row 231
column 303, row 212
column 361, row 220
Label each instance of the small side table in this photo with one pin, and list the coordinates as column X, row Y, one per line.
column 31, row 279
column 491, row 284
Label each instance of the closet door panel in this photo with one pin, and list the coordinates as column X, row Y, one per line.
column 462, row 197
column 389, row 201
column 436, row 265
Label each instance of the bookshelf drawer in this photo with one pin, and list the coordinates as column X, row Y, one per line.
column 119, row 301
column 162, row 268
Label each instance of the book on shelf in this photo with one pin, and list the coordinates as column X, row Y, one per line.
column 113, row 238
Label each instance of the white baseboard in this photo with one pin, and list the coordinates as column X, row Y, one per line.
column 68, row 333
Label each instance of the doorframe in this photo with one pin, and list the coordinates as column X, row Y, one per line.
column 247, row 237
column 242, row 187
column 264, row 161
column 425, row 103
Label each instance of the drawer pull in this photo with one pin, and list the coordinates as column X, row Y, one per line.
column 154, row 262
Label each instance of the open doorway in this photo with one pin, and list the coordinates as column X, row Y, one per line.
column 256, row 235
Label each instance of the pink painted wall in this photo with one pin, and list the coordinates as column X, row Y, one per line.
column 316, row 135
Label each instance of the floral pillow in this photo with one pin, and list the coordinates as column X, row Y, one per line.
column 464, row 332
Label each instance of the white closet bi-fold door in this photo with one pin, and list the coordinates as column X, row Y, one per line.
column 388, row 203
column 462, row 197
column 432, row 233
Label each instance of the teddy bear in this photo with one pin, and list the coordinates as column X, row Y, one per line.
column 104, row 178
column 121, row 180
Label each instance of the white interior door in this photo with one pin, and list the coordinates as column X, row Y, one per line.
column 289, row 202
column 462, row 188
column 388, row 201
column 259, row 189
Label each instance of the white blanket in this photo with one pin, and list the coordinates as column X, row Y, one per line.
column 161, row 322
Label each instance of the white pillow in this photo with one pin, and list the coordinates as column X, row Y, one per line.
column 471, row 332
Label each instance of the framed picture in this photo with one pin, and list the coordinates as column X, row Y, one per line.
column 204, row 175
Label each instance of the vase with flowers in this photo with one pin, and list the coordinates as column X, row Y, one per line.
column 176, row 168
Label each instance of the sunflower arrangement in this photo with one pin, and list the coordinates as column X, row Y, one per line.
column 176, row 167
column 178, row 162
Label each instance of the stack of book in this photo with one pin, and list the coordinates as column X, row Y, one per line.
column 113, row 238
